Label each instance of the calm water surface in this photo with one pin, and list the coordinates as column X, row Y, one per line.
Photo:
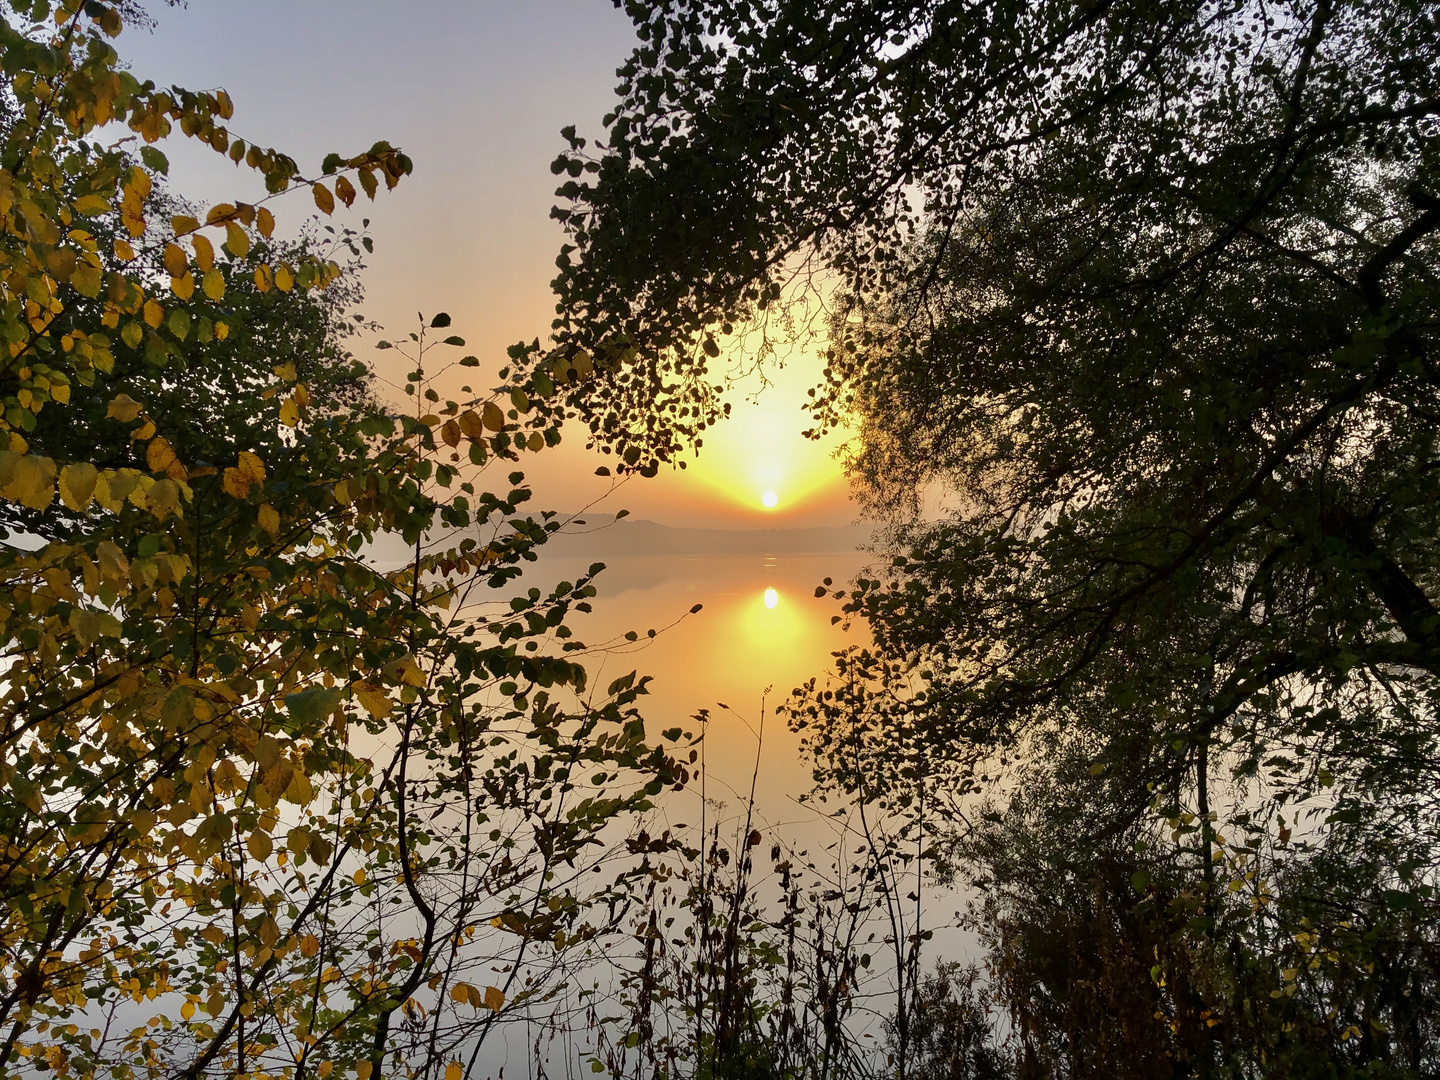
column 761, row 633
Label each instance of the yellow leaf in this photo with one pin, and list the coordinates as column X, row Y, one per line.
column 219, row 212
column 269, row 519
column 289, row 412
column 187, row 1010
column 213, row 283
column 33, row 482
column 183, row 286
column 123, row 408
column 265, row 222
column 309, row 946
column 359, row 876
column 222, row 331
column 153, row 314
column 87, row 280
column 159, row 455
column 374, row 698
column 77, row 485
column 183, row 223
column 123, row 250
column 264, row 278
column 284, row 279
column 236, row 239
column 92, row 205
column 286, row 371
column 175, row 260
column 138, row 182
column 252, row 466
column 450, row 432
column 493, row 417
column 471, row 424
column 163, row 498
column 235, row 483
column 460, row 992
column 132, row 335
column 363, row 1069
column 454, row 1071
column 323, row 199
column 345, row 191
column 204, row 253
column 494, row 998
column 259, row 845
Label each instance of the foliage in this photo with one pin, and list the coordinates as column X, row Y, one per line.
column 268, row 808
column 1145, row 293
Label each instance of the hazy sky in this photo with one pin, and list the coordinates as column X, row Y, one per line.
column 475, row 91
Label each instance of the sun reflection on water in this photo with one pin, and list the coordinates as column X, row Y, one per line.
column 772, row 598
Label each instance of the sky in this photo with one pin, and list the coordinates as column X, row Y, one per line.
column 476, row 92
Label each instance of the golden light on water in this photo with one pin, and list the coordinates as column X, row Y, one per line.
column 772, row 598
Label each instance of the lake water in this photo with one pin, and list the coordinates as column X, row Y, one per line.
column 760, row 633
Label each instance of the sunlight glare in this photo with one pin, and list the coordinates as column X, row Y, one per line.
column 769, row 500
column 772, row 598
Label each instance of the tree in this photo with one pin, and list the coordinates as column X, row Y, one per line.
column 1149, row 291
column 266, row 808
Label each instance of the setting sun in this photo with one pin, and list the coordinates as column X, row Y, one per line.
column 772, row 598
column 769, row 500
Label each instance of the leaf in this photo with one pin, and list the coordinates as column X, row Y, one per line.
column 471, row 424
column 252, row 466
column 237, row 240
column 494, row 998
column 284, row 278
column 179, row 321
column 454, row 1071
column 163, row 498
column 265, row 222
column 175, row 260
column 259, row 845
column 323, row 199
column 264, row 278
column 183, row 286
column 123, row 251
column 159, row 455
column 450, row 432
column 454, row 339
column 132, row 334
column 345, row 191
column 269, row 519
column 289, row 412
column 494, row 419
column 123, row 408
column 374, row 698
column 440, row 321
column 184, row 223
column 213, row 284
column 32, row 483
column 310, row 707
column 77, row 485
column 153, row 314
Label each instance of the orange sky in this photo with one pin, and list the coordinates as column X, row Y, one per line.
column 475, row 91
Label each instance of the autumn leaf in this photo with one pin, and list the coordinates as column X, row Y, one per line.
column 77, row 485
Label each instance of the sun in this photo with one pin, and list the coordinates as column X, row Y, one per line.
column 772, row 598
column 769, row 500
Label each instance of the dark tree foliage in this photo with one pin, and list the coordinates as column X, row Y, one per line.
column 1147, row 291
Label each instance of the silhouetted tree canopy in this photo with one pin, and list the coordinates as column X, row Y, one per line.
column 1144, row 294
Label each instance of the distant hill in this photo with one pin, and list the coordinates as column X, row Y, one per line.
column 601, row 536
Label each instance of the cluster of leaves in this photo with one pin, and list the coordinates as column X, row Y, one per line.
column 270, row 807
